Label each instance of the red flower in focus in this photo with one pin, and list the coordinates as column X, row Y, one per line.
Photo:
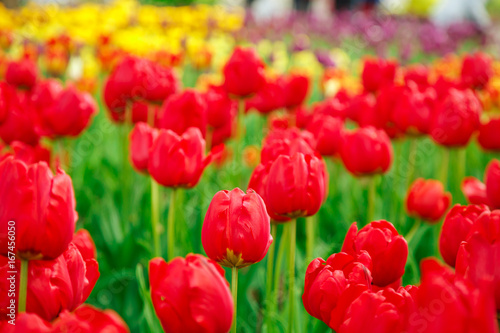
column 54, row 285
column 41, row 204
column 387, row 249
column 22, row 73
column 184, row 110
column 236, row 230
column 492, row 180
column 427, row 200
column 85, row 244
column 378, row 73
column 456, row 118
column 244, row 73
column 87, row 318
column 448, row 303
column 26, row 323
column 269, row 98
column 190, row 295
column 141, row 140
column 296, row 185
column 366, row 151
column 478, row 256
column 178, row 161
column 456, row 227
column 296, row 88
column 331, row 286
column 488, row 137
column 328, row 134
column 477, row 70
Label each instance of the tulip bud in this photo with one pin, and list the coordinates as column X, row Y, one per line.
column 296, row 88
column 296, row 185
column 244, row 73
column 328, row 134
column 190, row 295
column 456, row 227
column 236, row 229
column 456, row 118
column 378, row 73
column 475, row 191
column 178, row 161
column 40, row 205
column 387, row 249
column 366, row 151
column 427, row 200
column 141, row 140
column 492, row 180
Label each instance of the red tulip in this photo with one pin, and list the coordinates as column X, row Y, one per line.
column 26, row 323
column 366, row 151
column 85, row 244
column 414, row 110
column 184, row 110
column 244, row 73
column 418, row 74
column 41, row 204
column 478, row 255
column 69, row 115
column 456, row 118
column 19, row 123
column 456, row 227
column 385, row 311
column 427, row 200
column 45, row 94
column 448, row 303
column 286, row 142
column 182, row 156
column 296, row 88
column 54, row 285
column 331, row 286
column 22, row 73
column 222, row 134
column 475, row 191
column 492, row 180
column 388, row 250
column 160, row 82
column 363, row 110
column 89, row 319
column 190, row 295
column 477, row 70
column 29, row 154
column 141, row 140
column 220, row 108
column 488, row 137
column 328, row 134
column 378, row 73
column 338, row 106
column 296, row 185
column 236, row 230
column 269, row 98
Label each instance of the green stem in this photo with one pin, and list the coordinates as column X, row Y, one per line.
column 270, row 266
column 310, row 237
column 413, row 230
column 372, row 192
column 23, row 286
column 292, row 225
column 279, row 264
column 155, row 217
column 461, row 170
column 443, row 173
column 234, row 291
column 124, row 186
column 241, row 139
column 412, row 157
column 170, row 225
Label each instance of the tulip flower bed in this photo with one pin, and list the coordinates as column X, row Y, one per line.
column 242, row 178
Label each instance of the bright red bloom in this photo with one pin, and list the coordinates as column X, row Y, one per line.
column 236, row 229
column 286, row 142
column 456, row 227
column 28, row 154
column 190, row 295
column 88, row 319
column 448, row 303
column 41, row 204
column 26, row 323
column 160, row 82
column 85, row 244
column 477, row 70
column 488, row 137
column 328, row 134
column 492, row 180
column 331, row 286
column 475, row 191
column 427, row 200
column 19, row 122
column 69, row 114
column 296, row 88
column 142, row 137
column 414, row 110
column 184, row 110
column 244, row 73
column 456, row 118
column 478, row 256
column 220, row 108
column 45, row 94
column 363, row 110
column 388, row 250
column 296, row 185
column 378, row 73
column 269, row 98
column 22, row 73
column 178, row 161
column 418, row 74
column 366, row 151
column 54, row 285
